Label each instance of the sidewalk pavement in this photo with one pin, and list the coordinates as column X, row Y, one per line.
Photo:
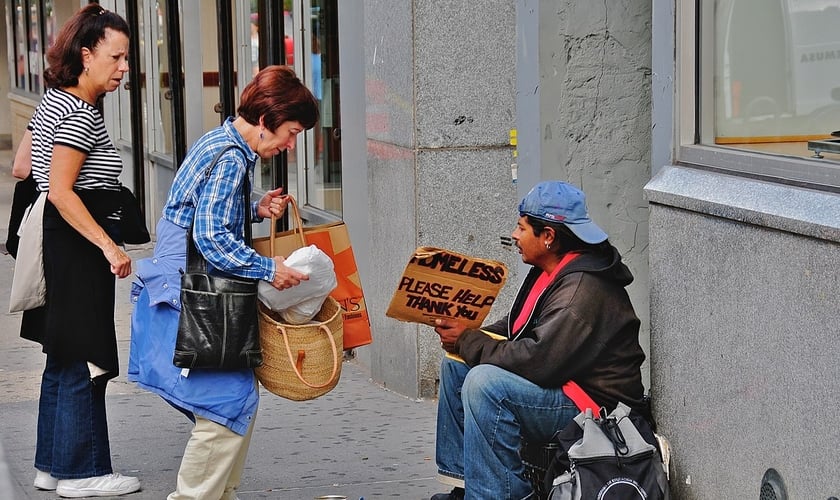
column 359, row 440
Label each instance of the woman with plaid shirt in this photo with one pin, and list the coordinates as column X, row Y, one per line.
column 274, row 108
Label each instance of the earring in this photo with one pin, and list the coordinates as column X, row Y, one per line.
column 547, row 245
column 261, row 135
column 87, row 70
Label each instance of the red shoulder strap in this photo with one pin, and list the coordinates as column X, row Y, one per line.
column 580, row 397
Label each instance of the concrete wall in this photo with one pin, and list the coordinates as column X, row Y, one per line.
column 745, row 316
column 443, row 80
column 440, row 104
column 20, row 112
column 596, row 119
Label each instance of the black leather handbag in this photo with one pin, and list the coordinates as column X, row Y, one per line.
column 219, row 325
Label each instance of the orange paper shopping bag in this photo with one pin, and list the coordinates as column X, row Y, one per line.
column 334, row 240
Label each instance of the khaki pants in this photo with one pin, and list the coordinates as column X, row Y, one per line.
column 212, row 464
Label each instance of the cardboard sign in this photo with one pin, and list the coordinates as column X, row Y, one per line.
column 439, row 283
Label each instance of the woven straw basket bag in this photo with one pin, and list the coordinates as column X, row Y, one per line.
column 301, row 362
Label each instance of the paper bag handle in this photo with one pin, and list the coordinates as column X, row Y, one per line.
column 295, row 215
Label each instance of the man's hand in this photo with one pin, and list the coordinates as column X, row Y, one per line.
column 449, row 330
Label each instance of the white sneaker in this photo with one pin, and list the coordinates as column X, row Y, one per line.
column 665, row 447
column 44, row 481
column 100, row 486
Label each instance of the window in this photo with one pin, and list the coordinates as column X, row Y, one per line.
column 759, row 88
column 21, row 56
column 315, row 166
column 34, row 27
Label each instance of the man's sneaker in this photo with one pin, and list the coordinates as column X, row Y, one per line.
column 44, row 481
column 455, row 494
column 101, row 486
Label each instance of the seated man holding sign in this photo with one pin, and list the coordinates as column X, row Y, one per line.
column 571, row 340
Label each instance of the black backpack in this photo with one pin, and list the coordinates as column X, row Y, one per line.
column 608, row 457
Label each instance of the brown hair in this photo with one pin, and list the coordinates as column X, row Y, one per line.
column 84, row 30
column 278, row 95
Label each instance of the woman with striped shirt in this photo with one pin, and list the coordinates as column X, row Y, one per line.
column 76, row 166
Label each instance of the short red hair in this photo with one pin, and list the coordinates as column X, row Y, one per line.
column 277, row 95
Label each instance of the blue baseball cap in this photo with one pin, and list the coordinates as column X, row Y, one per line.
column 560, row 202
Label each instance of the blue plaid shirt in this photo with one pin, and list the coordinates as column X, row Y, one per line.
column 216, row 203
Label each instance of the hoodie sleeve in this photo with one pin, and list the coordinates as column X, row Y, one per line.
column 500, row 327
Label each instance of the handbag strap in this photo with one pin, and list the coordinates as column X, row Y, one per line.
column 196, row 261
column 297, row 363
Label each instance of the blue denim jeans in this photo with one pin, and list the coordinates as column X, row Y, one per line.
column 483, row 414
column 72, row 438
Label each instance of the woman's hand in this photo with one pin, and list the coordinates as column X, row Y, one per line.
column 119, row 260
column 450, row 331
column 286, row 277
column 272, row 204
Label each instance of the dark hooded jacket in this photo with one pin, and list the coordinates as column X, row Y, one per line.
column 582, row 328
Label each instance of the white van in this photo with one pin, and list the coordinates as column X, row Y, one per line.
column 777, row 68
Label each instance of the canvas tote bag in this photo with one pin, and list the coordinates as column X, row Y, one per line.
column 29, row 288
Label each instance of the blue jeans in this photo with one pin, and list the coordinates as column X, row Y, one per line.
column 483, row 414
column 72, row 438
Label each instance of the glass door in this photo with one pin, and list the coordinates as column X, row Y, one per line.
column 159, row 82
column 315, row 169
column 174, row 99
column 181, row 97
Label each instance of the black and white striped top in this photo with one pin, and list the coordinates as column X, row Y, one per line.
column 62, row 118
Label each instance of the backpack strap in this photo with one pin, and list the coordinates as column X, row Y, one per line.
column 581, row 399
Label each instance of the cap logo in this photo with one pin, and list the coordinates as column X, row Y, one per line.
column 559, row 218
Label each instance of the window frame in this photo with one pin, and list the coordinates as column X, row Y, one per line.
column 695, row 100
column 40, row 61
column 312, row 210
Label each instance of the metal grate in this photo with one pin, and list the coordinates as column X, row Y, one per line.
column 772, row 486
column 536, row 457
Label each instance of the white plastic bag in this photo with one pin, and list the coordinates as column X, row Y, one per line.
column 301, row 303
